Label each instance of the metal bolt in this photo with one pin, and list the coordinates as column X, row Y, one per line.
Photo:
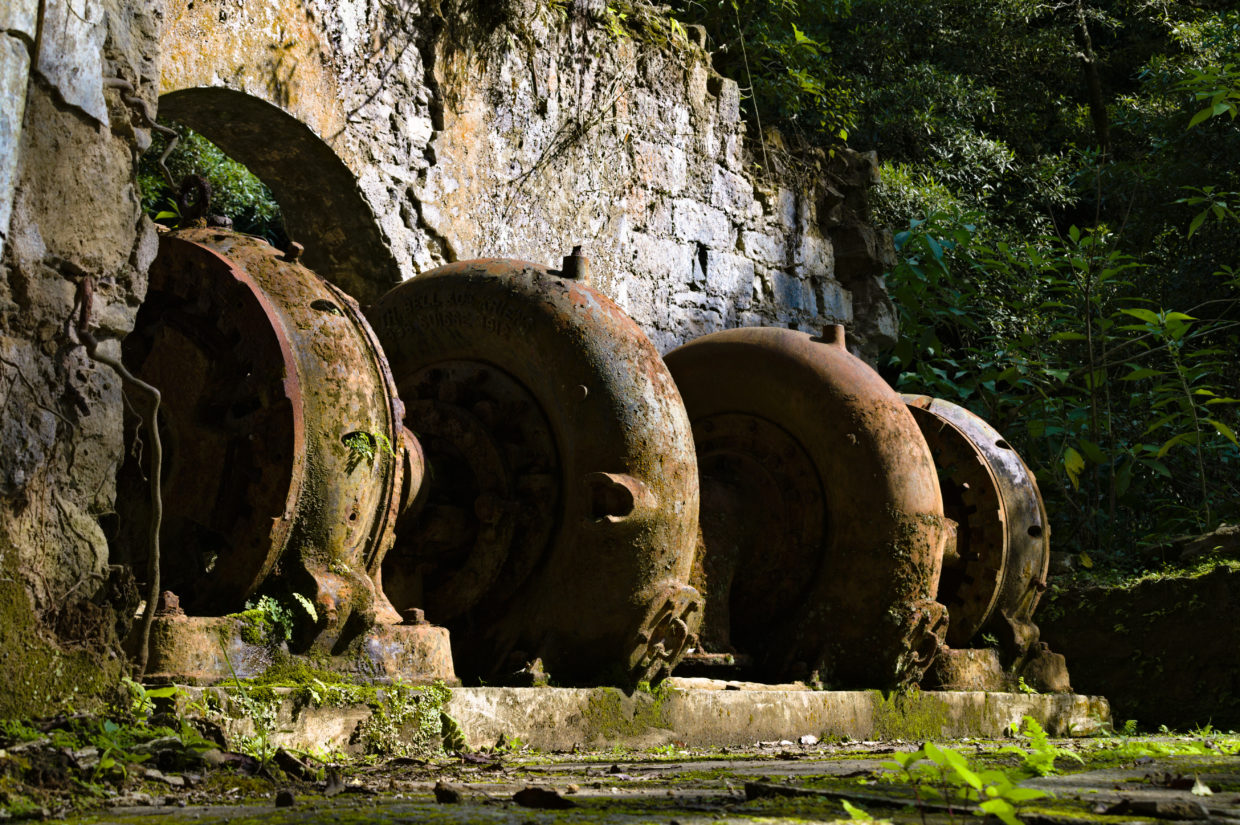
column 576, row 266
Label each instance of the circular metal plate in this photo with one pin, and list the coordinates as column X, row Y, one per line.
column 494, row 491
column 765, row 527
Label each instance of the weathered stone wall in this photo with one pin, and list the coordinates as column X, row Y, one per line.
column 514, row 130
column 570, row 134
column 67, row 187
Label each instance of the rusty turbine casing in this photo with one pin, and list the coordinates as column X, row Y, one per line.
column 285, row 458
column 820, row 494
column 562, row 500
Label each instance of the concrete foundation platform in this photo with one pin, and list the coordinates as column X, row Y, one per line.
column 692, row 715
column 205, row 650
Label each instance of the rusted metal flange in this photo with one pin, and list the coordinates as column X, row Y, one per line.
column 973, row 566
column 561, row 513
column 1004, row 537
column 284, row 451
column 822, row 523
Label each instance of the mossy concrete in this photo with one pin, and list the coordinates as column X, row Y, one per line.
column 41, row 677
column 560, row 719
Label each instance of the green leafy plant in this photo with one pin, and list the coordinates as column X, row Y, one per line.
column 1096, row 390
column 857, row 814
column 307, row 606
column 1042, row 753
column 142, row 698
column 940, row 774
column 267, row 622
column 363, row 446
column 115, row 750
column 235, row 192
column 1218, row 87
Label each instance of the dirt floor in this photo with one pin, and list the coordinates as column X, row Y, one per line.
column 1119, row 779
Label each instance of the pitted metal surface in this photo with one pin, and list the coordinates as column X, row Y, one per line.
column 561, row 513
column 822, row 527
column 1015, row 585
column 283, row 433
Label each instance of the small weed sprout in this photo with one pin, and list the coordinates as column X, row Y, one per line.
column 364, row 446
column 859, row 815
column 1041, row 756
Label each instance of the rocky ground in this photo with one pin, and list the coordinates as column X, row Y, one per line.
column 184, row 776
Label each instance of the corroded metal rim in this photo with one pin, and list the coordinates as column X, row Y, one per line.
column 1027, row 529
column 303, row 361
column 204, row 324
column 972, row 570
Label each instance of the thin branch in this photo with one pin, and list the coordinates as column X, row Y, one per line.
column 86, row 298
column 757, row 115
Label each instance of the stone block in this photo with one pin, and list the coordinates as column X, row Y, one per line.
column 734, row 152
column 697, row 91
column 660, row 260
column 764, row 247
column 731, row 192
column 71, row 54
column 814, row 256
column 731, row 277
column 419, row 129
column 20, row 18
column 791, row 293
column 783, row 210
column 660, row 166
column 695, row 221
column 729, row 102
column 861, row 251
column 835, row 303
column 14, row 75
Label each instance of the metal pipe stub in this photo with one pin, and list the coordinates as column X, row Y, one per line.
column 1004, row 538
column 822, row 523
column 284, row 457
column 561, row 514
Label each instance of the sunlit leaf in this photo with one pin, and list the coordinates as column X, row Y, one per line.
column 1224, row 430
column 1073, row 463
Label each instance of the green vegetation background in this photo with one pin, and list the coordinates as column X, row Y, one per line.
column 1062, row 178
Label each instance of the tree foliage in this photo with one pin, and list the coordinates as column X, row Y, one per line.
column 1063, row 179
column 235, row 192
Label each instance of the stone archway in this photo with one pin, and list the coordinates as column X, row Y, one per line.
column 262, row 80
column 324, row 209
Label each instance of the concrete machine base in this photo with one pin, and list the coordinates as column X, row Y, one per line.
column 696, row 713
